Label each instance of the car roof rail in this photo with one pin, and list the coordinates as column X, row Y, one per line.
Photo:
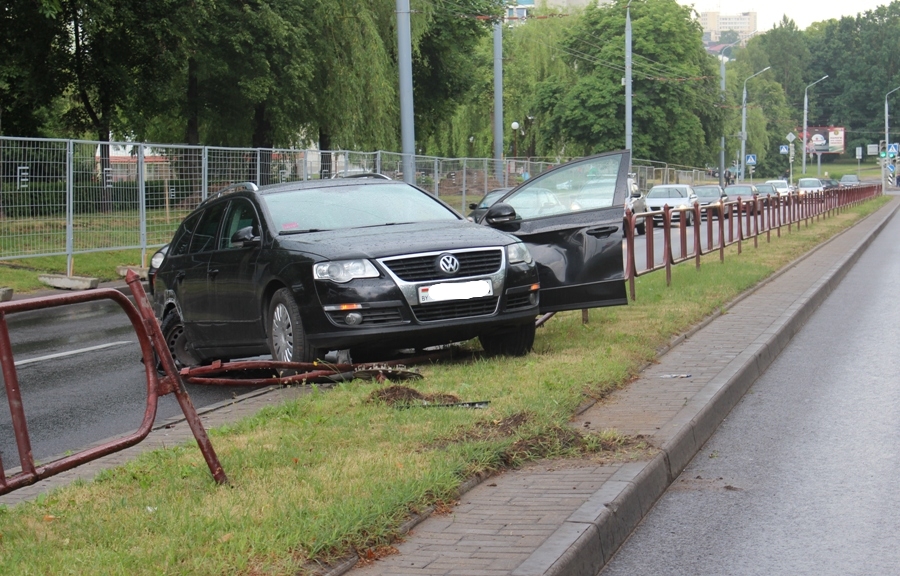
column 232, row 188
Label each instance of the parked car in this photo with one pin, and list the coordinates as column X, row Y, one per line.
column 637, row 203
column 781, row 186
column 302, row 268
column 742, row 192
column 712, row 195
column 676, row 196
column 766, row 192
column 830, row 183
column 479, row 208
column 807, row 185
column 849, row 180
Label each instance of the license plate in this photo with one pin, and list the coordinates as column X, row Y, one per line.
column 455, row 291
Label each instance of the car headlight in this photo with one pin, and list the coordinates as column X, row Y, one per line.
column 157, row 259
column 517, row 252
column 344, row 270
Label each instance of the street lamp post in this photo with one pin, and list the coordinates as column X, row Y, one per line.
column 887, row 139
column 805, row 108
column 722, row 86
column 515, row 127
column 744, row 122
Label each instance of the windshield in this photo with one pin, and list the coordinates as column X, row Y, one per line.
column 849, row 179
column 707, row 191
column 333, row 208
column 739, row 191
column 765, row 189
column 778, row 183
column 809, row 183
column 667, row 192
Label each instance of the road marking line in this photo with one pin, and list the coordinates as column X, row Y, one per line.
column 72, row 352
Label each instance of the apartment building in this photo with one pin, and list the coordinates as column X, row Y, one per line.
column 715, row 23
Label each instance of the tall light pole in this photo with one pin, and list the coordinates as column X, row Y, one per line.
column 805, row 108
column 887, row 139
column 628, row 76
column 515, row 129
column 722, row 86
column 744, row 122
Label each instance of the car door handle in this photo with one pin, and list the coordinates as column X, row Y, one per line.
column 602, row 231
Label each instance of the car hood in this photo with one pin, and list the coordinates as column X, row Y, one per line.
column 658, row 203
column 382, row 241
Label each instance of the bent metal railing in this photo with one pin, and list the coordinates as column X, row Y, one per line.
column 150, row 339
column 744, row 219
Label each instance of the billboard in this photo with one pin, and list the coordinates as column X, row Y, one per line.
column 822, row 140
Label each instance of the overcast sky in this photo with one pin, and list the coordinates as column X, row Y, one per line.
column 803, row 12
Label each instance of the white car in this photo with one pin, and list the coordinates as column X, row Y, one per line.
column 676, row 196
column 782, row 186
column 806, row 185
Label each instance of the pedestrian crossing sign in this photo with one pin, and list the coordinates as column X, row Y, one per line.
column 751, row 160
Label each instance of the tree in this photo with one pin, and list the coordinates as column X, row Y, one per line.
column 675, row 94
column 729, row 37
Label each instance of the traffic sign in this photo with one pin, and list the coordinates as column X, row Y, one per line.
column 890, row 167
column 751, row 159
column 783, row 149
column 893, row 148
column 790, row 137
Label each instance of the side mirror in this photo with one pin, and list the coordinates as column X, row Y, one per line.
column 636, row 193
column 499, row 214
column 244, row 237
column 473, row 206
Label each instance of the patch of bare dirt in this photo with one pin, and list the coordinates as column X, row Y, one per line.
column 405, row 396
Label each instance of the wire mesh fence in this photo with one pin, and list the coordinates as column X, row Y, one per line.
column 65, row 197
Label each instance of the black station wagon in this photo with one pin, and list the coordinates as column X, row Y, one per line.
column 368, row 264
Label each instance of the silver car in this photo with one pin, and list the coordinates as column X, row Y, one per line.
column 676, row 197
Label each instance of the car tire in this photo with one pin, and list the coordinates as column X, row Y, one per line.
column 286, row 338
column 514, row 342
column 173, row 333
column 641, row 229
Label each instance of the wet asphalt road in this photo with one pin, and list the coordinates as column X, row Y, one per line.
column 802, row 477
column 82, row 381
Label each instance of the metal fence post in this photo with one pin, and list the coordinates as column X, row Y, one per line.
column 465, row 169
column 204, row 178
column 70, row 208
column 437, row 177
column 142, row 203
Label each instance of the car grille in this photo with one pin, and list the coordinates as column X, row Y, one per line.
column 515, row 301
column 371, row 316
column 456, row 309
column 422, row 268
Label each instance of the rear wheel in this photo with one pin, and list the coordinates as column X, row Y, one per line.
column 640, row 228
column 287, row 340
column 513, row 342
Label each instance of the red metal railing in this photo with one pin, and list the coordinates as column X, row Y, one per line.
column 150, row 339
column 745, row 219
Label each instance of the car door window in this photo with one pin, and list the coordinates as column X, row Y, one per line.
column 205, row 236
column 240, row 215
column 586, row 185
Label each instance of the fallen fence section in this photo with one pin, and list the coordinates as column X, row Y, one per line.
column 745, row 218
column 151, row 341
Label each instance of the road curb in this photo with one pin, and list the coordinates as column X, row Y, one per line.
column 591, row 536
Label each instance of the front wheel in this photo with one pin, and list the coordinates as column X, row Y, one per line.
column 287, row 340
column 173, row 333
column 513, row 342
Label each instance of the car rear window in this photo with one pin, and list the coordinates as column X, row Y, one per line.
column 339, row 207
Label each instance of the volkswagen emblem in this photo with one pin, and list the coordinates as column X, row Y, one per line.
column 448, row 264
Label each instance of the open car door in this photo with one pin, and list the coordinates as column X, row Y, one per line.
column 571, row 219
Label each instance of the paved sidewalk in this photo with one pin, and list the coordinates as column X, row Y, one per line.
column 555, row 518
